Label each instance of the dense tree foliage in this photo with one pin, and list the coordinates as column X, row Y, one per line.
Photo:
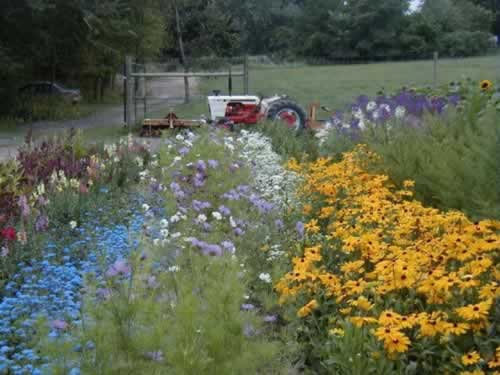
column 84, row 41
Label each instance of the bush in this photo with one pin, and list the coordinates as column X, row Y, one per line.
column 464, row 43
column 453, row 159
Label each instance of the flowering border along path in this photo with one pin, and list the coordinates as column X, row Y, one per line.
column 52, row 288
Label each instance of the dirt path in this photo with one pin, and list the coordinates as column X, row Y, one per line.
column 169, row 93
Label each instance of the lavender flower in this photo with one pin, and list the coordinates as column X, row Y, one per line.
column 23, row 204
column 42, row 223
column 299, row 227
column 201, row 166
column 200, row 205
column 224, row 210
column 247, row 307
column 199, row 180
column 270, row 318
column 59, row 324
column 120, row 267
column 229, row 246
column 213, row 164
column 279, row 224
column 212, row 250
column 184, row 151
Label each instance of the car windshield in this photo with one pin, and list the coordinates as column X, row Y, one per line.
column 59, row 86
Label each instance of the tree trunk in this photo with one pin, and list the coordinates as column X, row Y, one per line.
column 183, row 55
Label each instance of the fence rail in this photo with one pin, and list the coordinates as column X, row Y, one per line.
column 132, row 76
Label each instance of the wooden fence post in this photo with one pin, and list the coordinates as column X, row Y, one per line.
column 245, row 75
column 130, row 91
column 435, row 70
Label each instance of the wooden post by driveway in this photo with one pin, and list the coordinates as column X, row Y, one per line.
column 130, row 92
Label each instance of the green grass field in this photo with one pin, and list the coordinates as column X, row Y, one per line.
column 336, row 86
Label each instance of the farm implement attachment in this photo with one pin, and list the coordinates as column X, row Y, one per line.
column 153, row 127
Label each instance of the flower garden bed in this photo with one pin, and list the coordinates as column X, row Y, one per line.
column 213, row 255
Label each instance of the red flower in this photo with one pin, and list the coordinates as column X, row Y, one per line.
column 9, row 233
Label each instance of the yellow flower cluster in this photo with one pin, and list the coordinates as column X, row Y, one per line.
column 383, row 260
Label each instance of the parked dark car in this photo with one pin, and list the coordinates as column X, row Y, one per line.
column 44, row 88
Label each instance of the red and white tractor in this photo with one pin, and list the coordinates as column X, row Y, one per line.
column 230, row 110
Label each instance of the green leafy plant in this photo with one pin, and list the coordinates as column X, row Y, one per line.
column 453, row 159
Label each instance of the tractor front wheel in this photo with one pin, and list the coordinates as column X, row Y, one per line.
column 289, row 113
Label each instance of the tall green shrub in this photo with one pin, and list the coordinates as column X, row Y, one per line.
column 454, row 159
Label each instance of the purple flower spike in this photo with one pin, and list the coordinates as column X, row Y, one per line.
column 120, row 267
column 42, row 223
column 239, row 232
column 299, row 227
column 23, row 204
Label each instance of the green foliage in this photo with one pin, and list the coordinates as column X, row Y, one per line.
column 190, row 322
column 453, row 159
column 301, row 145
column 354, row 351
column 464, row 43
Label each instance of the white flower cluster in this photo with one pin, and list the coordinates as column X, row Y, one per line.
column 274, row 182
column 61, row 182
column 275, row 253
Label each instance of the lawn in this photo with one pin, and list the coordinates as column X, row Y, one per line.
column 336, row 85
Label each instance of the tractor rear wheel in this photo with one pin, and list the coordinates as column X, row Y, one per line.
column 289, row 113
